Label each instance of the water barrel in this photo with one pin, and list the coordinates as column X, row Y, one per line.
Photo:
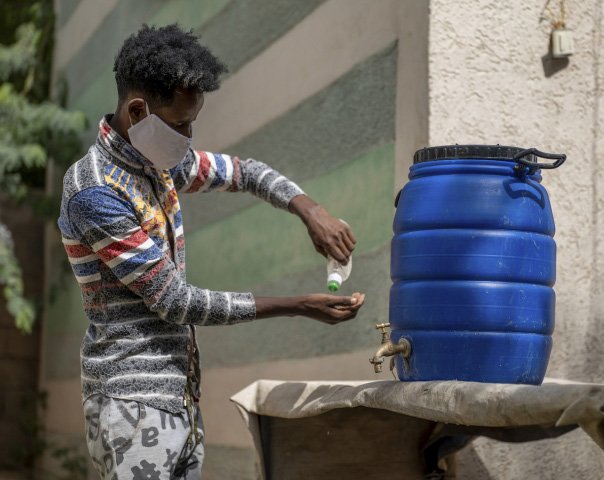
column 473, row 265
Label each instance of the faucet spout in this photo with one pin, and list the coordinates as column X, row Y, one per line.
column 388, row 349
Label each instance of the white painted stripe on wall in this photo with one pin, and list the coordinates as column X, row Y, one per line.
column 317, row 51
column 82, row 24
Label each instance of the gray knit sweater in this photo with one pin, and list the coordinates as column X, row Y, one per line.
column 122, row 230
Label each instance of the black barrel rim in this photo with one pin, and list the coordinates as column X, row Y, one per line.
column 470, row 152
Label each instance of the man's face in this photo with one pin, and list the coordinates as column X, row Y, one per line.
column 182, row 112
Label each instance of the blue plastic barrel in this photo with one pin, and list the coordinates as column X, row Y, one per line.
column 473, row 265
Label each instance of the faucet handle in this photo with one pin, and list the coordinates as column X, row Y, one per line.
column 382, row 327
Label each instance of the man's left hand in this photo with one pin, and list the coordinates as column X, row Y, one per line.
column 329, row 235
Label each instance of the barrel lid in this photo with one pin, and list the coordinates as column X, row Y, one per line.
column 478, row 152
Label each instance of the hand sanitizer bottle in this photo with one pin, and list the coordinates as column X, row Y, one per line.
column 337, row 273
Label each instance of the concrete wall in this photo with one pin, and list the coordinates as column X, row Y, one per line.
column 488, row 84
column 338, row 94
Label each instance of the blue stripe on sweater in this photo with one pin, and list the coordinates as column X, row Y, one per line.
column 220, row 177
column 178, row 219
column 84, row 269
column 128, row 266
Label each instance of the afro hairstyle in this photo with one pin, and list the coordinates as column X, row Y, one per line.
column 157, row 61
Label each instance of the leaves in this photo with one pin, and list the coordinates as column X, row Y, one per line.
column 10, row 277
column 20, row 57
column 31, row 132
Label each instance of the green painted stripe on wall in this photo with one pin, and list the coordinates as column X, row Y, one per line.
column 343, row 121
column 63, row 359
column 289, row 338
column 236, row 31
column 65, row 313
column 100, row 98
column 242, row 30
column 95, row 58
column 98, row 53
column 188, row 14
column 262, row 244
column 65, row 11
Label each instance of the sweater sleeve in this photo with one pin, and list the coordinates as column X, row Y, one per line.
column 107, row 224
column 205, row 172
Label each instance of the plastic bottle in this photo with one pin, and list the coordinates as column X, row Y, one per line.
column 336, row 272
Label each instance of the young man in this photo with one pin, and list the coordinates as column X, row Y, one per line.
column 122, row 230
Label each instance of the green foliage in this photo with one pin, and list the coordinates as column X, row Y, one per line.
column 32, row 131
column 10, row 276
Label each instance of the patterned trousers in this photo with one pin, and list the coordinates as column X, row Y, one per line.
column 128, row 440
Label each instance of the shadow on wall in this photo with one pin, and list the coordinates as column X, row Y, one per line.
column 552, row 65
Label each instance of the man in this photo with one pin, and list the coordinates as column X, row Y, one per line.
column 122, row 230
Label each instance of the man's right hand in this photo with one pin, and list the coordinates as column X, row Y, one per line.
column 330, row 309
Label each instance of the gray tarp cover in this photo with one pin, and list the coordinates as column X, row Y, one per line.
column 554, row 403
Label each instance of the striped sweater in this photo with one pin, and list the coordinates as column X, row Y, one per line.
column 122, row 229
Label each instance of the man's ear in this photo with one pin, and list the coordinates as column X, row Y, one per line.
column 136, row 110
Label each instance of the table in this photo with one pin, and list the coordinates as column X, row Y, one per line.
column 315, row 430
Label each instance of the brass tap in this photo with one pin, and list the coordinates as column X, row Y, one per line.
column 389, row 349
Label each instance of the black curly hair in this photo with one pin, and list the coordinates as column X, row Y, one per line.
column 157, row 61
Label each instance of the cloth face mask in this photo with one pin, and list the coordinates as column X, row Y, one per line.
column 161, row 145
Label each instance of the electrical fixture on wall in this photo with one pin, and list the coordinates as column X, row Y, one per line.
column 561, row 37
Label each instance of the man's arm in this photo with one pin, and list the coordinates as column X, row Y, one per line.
column 205, row 172
column 328, row 309
column 328, row 234
column 107, row 225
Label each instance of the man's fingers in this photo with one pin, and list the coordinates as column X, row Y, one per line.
column 320, row 250
column 342, row 315
column 348, row 242
column 351, row 236
column 352, row 303
column 338, row 254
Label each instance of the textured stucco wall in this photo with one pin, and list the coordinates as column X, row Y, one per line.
column 488, row 85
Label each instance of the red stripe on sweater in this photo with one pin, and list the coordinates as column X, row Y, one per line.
column 77, row 251
column 236, row 175
column 202, row 172
column 105, row 129
column 115, row 249
column 98, row 285
column 148, row 275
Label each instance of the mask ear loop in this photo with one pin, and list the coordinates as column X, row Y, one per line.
column 146, row 109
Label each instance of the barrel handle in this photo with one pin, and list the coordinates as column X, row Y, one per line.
column 522, row 162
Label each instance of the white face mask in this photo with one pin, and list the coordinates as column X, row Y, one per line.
column 161, row 145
